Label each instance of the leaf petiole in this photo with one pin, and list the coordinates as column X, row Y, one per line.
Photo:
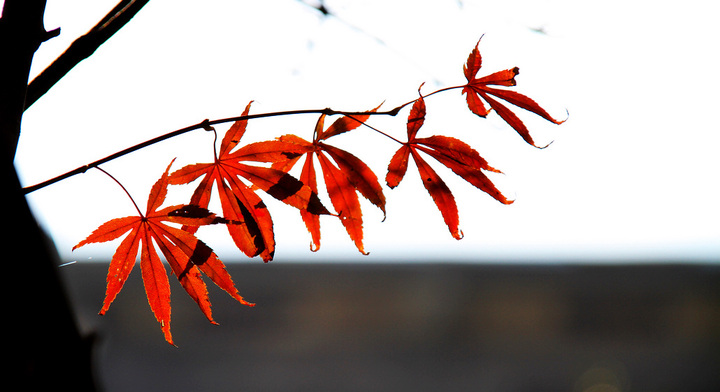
column 123, row 188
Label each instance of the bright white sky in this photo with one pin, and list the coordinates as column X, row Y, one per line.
column 632, row 175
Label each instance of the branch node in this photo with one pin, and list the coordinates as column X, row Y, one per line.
column 206, row 125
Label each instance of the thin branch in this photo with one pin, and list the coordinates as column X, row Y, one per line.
column 206, row 124
column 83, row 169
column 82, row 48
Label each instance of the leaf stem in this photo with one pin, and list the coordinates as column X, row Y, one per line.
column 123, row 188
column 375, row 129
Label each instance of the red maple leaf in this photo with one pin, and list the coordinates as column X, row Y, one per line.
column 252, row 231
column 478, row 88
column 186, row 255
column 455, row 154
column 344, row 174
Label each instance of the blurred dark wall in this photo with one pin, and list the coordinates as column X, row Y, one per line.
column 417, row 327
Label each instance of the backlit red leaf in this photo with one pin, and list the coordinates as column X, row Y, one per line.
column 349, row 177
column 252, row 227
column 344, row 174
column 183, row 252
column 455, row 154
column 477, row 90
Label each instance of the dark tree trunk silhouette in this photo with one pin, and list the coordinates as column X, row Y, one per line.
column 47, row 349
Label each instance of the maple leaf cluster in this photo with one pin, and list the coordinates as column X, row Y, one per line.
column 239, row 172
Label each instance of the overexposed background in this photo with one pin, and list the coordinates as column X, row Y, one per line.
column 631, row 176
